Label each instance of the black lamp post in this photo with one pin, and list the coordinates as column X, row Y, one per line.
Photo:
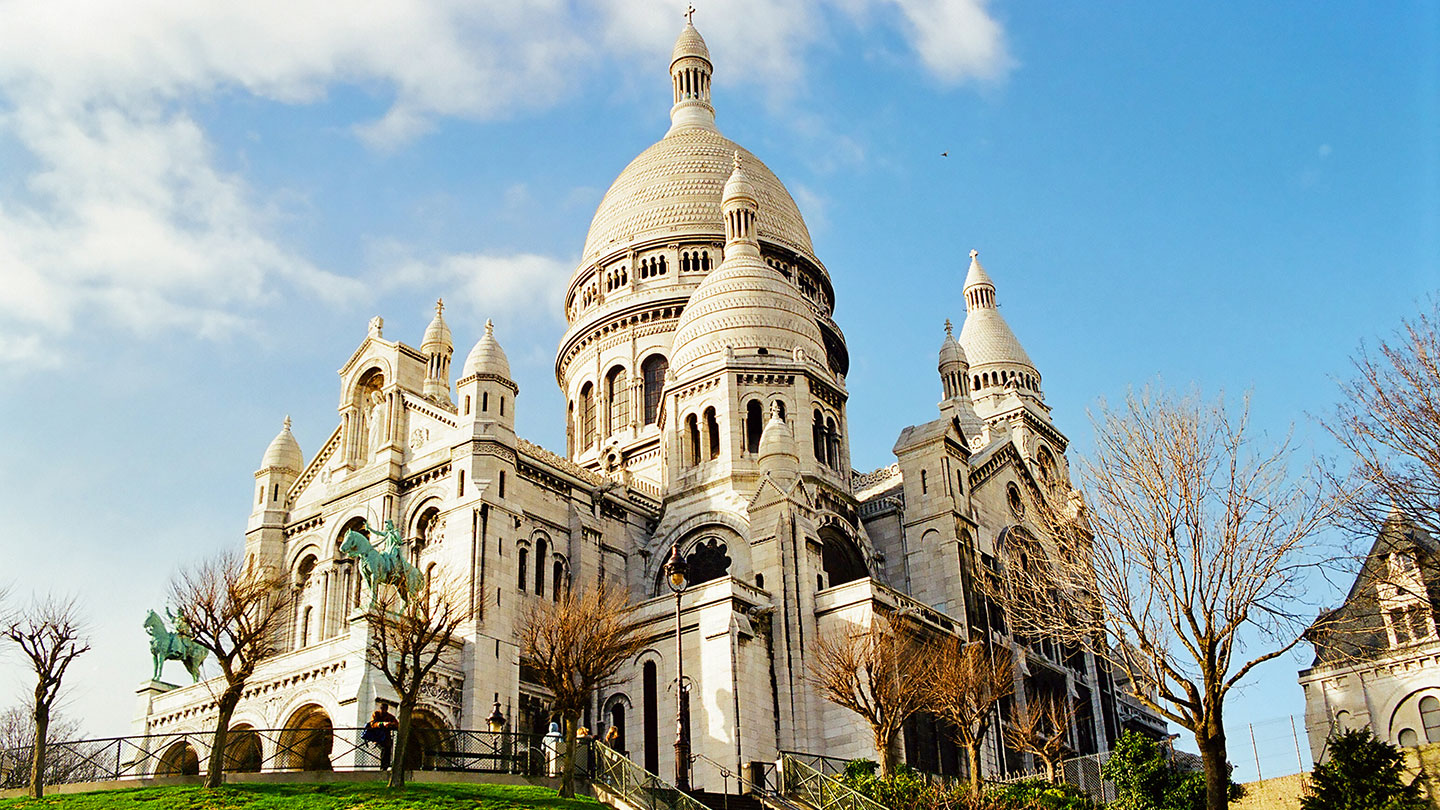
column 675, row 570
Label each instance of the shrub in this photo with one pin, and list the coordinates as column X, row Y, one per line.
column 1363, row 773
column 1146, row 778
column 1038, row 794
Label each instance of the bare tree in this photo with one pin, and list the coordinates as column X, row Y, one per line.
column 1187, row 566
column 966, row 684
column 68, row 757
column 1043, row 730
column 231, row 609
column 407, row 640
column 51, row 634
column 878, row 672
column 576, row 645
column 1389, row 419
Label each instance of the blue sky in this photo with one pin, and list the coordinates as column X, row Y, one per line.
column 201, row 208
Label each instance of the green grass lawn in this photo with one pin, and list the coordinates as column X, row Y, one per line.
column 367, row 795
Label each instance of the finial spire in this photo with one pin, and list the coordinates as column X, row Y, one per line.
column 489, row 328
column 735, row 160
column 949, row 329
column 287, row 421
column 439, row 305
column 974, row 253
column 690, row 14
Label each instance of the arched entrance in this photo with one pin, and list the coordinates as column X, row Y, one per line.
column 180, row 759
column 840, row 558
column 306, row 743
column 242, row 750
column 427, row 735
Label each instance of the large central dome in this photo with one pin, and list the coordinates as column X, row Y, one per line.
column 675, row 187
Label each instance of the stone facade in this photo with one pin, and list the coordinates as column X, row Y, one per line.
column 1377, row 657
column 706, row 401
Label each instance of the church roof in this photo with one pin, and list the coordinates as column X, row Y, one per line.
column 487, row 357
column 689, row 43
column 437, row 334
column 283, row 452
column 986, row 337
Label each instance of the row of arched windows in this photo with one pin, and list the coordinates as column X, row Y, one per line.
column 556, row 572
column 954, row 384
column 991, row 379
column 697, row 261
column 601, row 412
column 618, row 278
column 825, row 437
column 702, row 448
column 651, row 267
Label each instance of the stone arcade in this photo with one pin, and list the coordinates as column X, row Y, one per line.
column 705, row 382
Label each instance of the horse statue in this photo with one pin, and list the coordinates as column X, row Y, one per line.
column 383, row 567
column 177, row 646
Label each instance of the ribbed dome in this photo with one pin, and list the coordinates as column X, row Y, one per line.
column 487, row 357
column 437, row 334
column 689, row 43
column 746, row 305
column 986, row 337
column 284, row 452
column 674, row 188
column 950, row 351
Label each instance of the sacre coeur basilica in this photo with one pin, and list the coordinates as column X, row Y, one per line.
column 706, row 408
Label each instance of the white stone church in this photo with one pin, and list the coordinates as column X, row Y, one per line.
column 706, row 390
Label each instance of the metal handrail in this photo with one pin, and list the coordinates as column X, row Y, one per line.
column 830, row 766
column 276, row 749
column 638, row 787
column 804, row 784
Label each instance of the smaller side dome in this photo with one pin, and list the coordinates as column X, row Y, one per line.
column 951, row 354
column 284, row 452
column 437, row 334
column 777, row 454
column 738, row 188
column 487, row 357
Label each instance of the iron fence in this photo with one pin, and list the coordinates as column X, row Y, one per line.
column 830, row 766
column 1083, row 772
column 251, row 750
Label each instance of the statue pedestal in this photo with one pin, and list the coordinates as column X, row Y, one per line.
column 145, row 703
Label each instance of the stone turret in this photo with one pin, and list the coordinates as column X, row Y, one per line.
column 487, row 393
column 279, row 468
column 437, row 348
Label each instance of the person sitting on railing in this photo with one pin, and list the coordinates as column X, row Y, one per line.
column 379, row 729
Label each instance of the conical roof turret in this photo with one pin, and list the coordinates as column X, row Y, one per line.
column 951, row 354
column 487, row 357
column 690, row 72
column 777, row 455
column 986, row 338
column 284, row 452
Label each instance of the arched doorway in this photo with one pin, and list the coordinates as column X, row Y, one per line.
column 840, row 558
column 306, row 743
column 242, row 750
column 427, row 736
column 180, row 759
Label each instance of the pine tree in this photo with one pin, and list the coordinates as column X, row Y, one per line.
column 1363, row 773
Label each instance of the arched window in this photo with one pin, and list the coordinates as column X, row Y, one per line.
column 305, row 628
column 710, row 559
column 705, row 260
column 557, row 577
column 841, row 559
column 653, row 370
column 779, row 405
column 540, row 567
column 617, row 720
column 754, row 425
column 1046, row 462
column 832, row 443
column 617, row 400
column 817, row 437
column 661, row 262
column 587, row 417
column 685, row 262
column 1408, row 738
column 692, row 434
column 523, row 578
column 650, row 709
column 569, row 429
column 712, row 431
column 1430, row 717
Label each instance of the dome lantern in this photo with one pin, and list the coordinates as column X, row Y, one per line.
column 690, row 72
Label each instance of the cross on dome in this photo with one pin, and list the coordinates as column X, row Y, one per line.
column 690, row 15
column 974, row 253
column 439, row 305
column 948, row 328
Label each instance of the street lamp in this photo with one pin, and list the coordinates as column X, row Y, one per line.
column 496, row 718
column 675, row 570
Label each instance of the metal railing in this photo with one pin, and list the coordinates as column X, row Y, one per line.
column 1083, row 772
column 636, row 786
column 830, row 766
column 250, row 750
column 802, row 783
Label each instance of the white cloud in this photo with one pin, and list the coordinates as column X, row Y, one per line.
column 523, row 288
column 126, row 220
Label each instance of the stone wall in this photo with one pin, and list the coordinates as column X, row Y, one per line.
column 1279, row 793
